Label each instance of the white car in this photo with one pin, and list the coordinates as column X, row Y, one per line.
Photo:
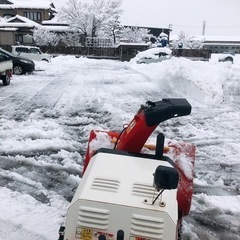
column 153, row 55
column 31, row 52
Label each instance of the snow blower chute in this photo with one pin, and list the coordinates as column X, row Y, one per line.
column 127, row 194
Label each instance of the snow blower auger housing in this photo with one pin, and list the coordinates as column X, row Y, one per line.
column 125, row 194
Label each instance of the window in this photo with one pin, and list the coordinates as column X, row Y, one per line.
column 21, row 49
column 19, row 38
column 8, row 15
column 34, row 50
column 24, row 38
column 35, row 16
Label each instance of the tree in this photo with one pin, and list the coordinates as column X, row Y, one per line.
column 44, row 37
column 135, row 34
column 71, row 39
column 90, row 18
column 112, row 30
column 187, row 42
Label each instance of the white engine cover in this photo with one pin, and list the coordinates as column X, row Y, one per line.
column 116, row 193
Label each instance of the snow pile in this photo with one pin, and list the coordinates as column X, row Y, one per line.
column 204, row 80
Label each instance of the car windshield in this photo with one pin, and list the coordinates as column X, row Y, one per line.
column 34, row 50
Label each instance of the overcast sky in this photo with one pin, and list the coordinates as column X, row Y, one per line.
column 221, row 17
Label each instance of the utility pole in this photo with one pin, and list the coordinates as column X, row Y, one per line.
column 204, row 28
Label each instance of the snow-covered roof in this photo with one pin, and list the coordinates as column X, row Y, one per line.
column 18, row 21
column 210, row 38
column 57, row 28
column 42, row 4
column 54, row 21
column 10, row 29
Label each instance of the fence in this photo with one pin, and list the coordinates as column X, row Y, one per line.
column 192, row 53
column 97, row 52
column 123, row 53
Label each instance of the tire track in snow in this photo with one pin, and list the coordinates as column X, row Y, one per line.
column 46, row 98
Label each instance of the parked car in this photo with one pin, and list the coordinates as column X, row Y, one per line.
column 153, row 55
column 226, row 57
column 21, row 65
column 5, row 70
column 31, row 52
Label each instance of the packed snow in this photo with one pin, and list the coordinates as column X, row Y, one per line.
column 46, row 118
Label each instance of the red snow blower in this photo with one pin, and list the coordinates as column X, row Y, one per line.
column 125, row 193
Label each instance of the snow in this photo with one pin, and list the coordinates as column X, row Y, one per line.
column 43, row 4
column 46, row 118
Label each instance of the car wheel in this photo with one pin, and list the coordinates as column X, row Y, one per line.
column 6, row 79
column 45, row 60
column 18, row 70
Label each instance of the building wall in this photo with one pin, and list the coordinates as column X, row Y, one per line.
column 221, row 48
column 11, row 12
column 7, row 38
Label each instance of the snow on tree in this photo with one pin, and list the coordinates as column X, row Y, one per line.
column 187, row 42
column 76, row 14
column 43, row 37
column 112, row 30
column 90, row 18
column 71, row 39
column 136, row 34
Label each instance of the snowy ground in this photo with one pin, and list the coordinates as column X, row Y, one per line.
column 46, row 118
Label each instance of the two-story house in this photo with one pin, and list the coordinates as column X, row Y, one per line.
column 18, row 18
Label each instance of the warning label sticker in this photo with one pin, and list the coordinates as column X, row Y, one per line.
column 84, row 233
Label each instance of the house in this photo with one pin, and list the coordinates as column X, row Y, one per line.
column 216, row 44
column 37, row 11
column 220, row 44
column 18, row 18
column 17, row 29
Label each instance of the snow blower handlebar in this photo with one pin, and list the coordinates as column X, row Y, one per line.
column 148, row 117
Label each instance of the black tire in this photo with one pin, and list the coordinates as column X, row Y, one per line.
column 18, row 70
column 45, row 60
column 6, row 78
